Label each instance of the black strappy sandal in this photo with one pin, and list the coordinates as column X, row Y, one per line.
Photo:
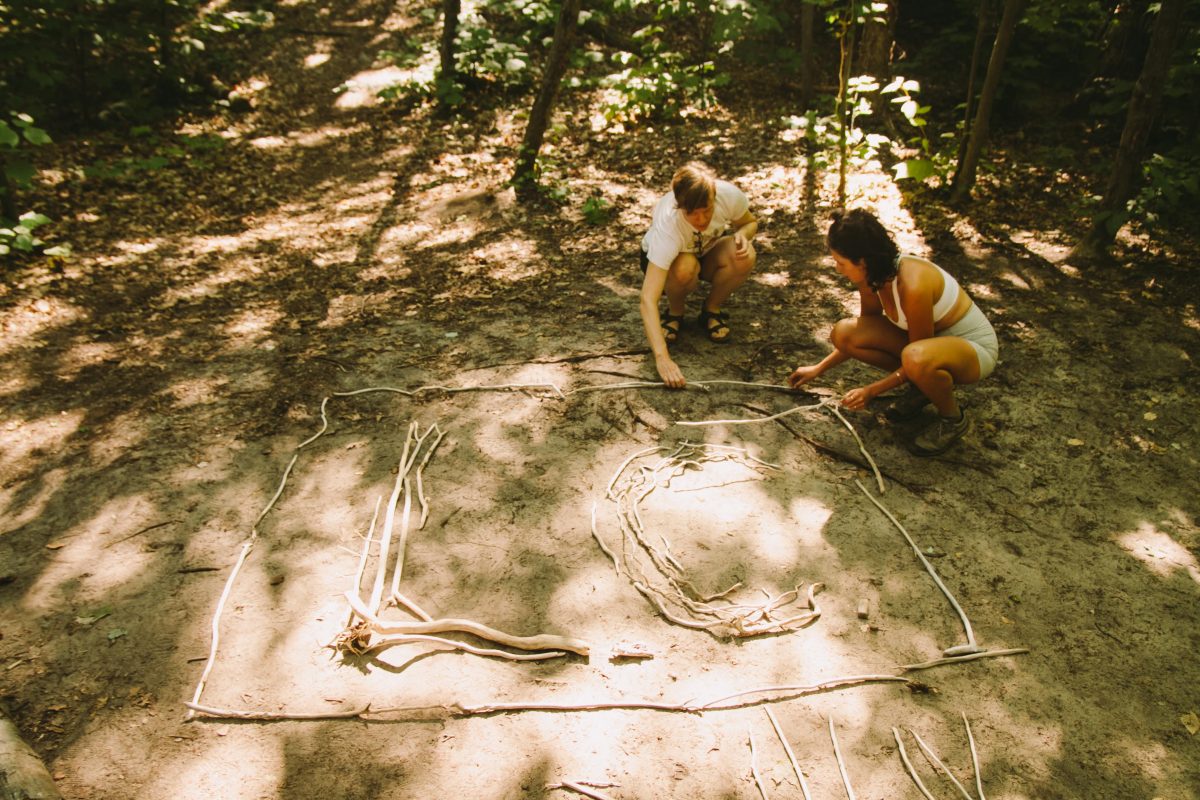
column 671, row 323
column 718, row 332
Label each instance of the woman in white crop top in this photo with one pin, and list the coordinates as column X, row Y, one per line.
column 915, row 321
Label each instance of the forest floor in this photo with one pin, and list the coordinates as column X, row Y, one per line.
column 158, row 384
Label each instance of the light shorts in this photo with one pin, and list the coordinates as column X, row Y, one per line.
column 979, row 333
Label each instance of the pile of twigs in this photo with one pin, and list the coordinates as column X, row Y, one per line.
column 657, row 573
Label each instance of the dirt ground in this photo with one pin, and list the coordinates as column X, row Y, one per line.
column 157, row 386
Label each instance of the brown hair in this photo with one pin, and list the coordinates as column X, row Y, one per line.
column 859, row 236
column 694, row 185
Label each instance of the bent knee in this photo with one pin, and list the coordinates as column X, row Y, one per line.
column 842, row 335
column 685, row 269
column 918, row 360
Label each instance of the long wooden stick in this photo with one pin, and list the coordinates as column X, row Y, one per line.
column 787, row 748
column 227, row 713
column 362, row 559
column 405, row 638
column 937, row 762
column 837, row 752
column 912, row 773
column 974, row 758
column 233, row 573
column 862, row 448
column 540, row 642
column 799, row 689
column 924, row 562
column 938, row 662
column 758, row 781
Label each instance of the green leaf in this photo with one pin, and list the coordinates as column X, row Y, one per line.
column 36, row 136
column 8, row 136
column 917, row 169
column 20, row 172
column 59, row 250
column 4, row 249
column 23, row 242
column 116, row 633
column 32, row 219
column 95, row 616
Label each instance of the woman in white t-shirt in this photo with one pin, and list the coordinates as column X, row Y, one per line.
column 915, row 321
column 701, row 230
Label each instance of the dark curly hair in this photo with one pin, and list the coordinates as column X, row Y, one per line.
column 859, row 236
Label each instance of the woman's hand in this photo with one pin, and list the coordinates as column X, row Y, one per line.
column 741, row 246
column 857, row 399
column 670, row 373
column 802, row 375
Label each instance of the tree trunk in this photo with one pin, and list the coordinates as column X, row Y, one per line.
column 8, row 202
column 1139, row 123
column 985, row 22
column 876, row 49
column 964, row 176
column 450, row 11
column 806, row 55
column 525, row 177
column 23, row 776
column 846, row 41
column 447, row 81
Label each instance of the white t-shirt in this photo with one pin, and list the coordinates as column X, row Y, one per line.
column 670, row 234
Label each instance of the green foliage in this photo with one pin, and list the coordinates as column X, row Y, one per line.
column 21, row 236
column 596, row 210
column 1171, row 189
column 17, row 135
column 79, row 61
column 177, row 151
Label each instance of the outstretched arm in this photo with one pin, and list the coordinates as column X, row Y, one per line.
column 652, row 289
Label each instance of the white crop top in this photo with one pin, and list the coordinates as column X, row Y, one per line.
column 944, row 303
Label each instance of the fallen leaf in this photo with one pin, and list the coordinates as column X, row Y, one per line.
column 1191, row 722
column 55, row 545
column 116, row 633
column 1149, row 416
column 1075, row 442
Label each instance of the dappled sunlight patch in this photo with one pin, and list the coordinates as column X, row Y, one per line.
column 236, row 762
column 1015, row 280
column 509, row 260
column 252, row 326
column 1039, row 243
column 198, row 391
column 1160, row 553
column 24, row 322
column 319, row 137
column 314, row 60
column 13, row 516
column 269, row 142
column 29, row 438
column 86, row 354
column 452, row 234
column 126, row 431
column 97, row 557
column 362, row 89
column 780, row 187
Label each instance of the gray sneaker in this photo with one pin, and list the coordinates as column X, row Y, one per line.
column 939, row 436
column 907, row 406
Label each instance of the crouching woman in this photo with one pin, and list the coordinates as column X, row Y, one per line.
column 915, row 322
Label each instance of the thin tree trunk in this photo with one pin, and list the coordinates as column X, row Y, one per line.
column 8, row 202
column 525, row 177
column 985, row 22
column 450, row 12
column 876, row 48
column 806, row 55
column 964, row 176
column 847, row 52
column 1139, row 123
column 447, row 80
